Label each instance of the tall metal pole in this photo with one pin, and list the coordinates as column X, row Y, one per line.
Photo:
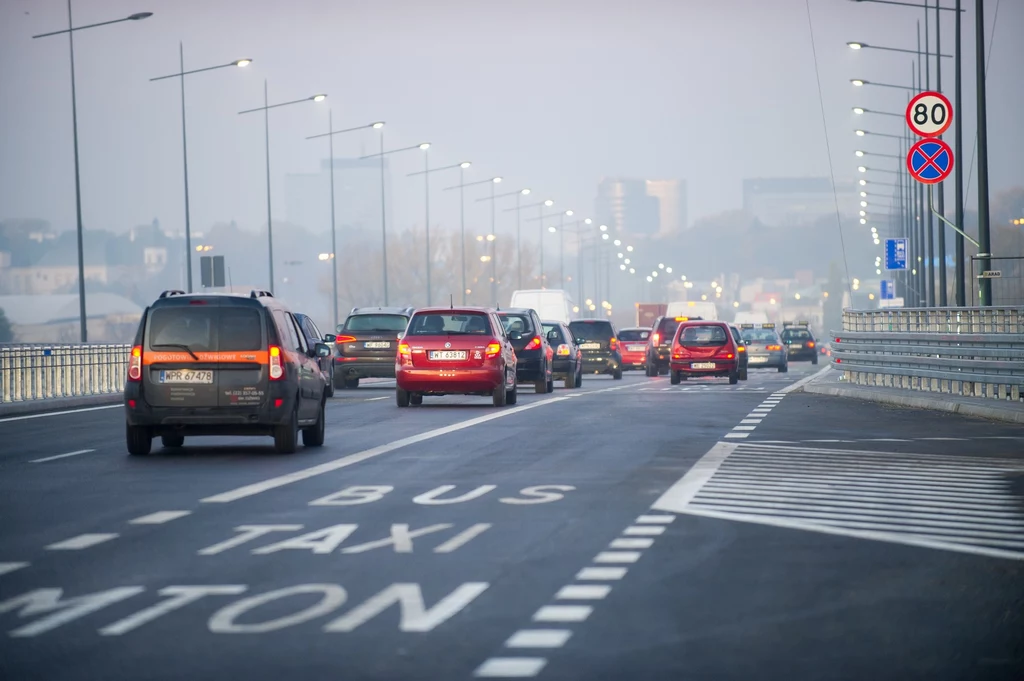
column 929, row 227
column 426, row 204
column 542, row 282
column 923, row 267
column 494, row 264
column 184, row 153
column 83, row 334
column 266, row 140
column 958, row 173
column 383, row 221
column 941, row 226
column 561, row 250
column 579, row 264
column 519, row 245
column 334, row 233
column 462, row 227
column 984, row 247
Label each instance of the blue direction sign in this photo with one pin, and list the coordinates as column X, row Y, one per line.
column 895, row 254
column 888, row 289
column 930, row 161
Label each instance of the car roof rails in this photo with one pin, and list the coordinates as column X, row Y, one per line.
column 259, row 293
column 172, row 292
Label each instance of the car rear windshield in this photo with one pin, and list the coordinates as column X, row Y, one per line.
column 758, row 335
column 705, row 334
column 667, row 329
column 376, row 322
column 634, row 334
column 516, row 323
column 796, row 334
column 470, row 323
column 209, row 329
column 548, row 328
column 591, row 330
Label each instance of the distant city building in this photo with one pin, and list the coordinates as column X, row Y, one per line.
column 786, row 201
column 356, row 195
column 641, row 207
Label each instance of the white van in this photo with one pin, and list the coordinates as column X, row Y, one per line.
column 692, row 308
column 550, row 303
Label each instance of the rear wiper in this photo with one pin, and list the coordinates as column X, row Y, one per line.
column 180, row 346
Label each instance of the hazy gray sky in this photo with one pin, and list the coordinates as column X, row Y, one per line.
column 551, row 94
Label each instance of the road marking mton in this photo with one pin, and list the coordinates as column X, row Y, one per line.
column 82, row 541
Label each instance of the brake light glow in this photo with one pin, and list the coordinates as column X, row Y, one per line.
column 345, row 339
column 656, row 338
column 810, row 344
column 278, row 401
column 276, row 367
column 533, row 344
column 492, row 350
column 135, row 365
column 741, row 348
column 405, row 354
column 770, row 348
column 131, row 404
column 563, row 350
column 613, row 344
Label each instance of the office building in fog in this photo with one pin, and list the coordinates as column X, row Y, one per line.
column 786, row 201
column 356, row 196
column 642, row 207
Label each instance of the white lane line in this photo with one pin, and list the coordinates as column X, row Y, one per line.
column 562, row 613
column 583, row 592
column 366, row 454
column 679, row 495
column 656, row 519
column 538, row 638
column 617, row 557
column 736, row 435
column 82, row 541
column 746, row 421
column 643, row 531
column 159, row 518
column 374, row 399
column 744, row 427
column 602, row 573
column 62, row 456
column 804, row 381
column 58, row 413
column 11, row 567
column 510, row 667
column 885, row 439
column 632, row 543
column 945, row 439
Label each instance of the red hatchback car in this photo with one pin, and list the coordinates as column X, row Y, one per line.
column 449, row 351
column 633, row 346
column 704, row 348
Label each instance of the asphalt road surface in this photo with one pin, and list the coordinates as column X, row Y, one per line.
column 626, row 530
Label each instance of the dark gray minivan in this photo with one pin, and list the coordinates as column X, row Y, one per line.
column 223, row 364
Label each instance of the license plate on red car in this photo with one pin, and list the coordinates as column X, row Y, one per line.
column 702, row 365
column 447, row 355
column 635, row 348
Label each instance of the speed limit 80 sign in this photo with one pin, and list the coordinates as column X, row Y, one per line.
column 929, row 114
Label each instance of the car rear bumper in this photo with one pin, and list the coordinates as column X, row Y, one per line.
column 562, row 367
column 452, row 381
column 633, row 360
column 244, row 420
column 530, row 369
column 768, row 359
column 601, row 364
column 722, row 367
column 364, row 367
column 803, row 354
column 660, row 356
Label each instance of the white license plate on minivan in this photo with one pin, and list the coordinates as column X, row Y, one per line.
column 447, row 355
column 702, row 365
column 377, row 345
column 590, row 346
column 186, row 376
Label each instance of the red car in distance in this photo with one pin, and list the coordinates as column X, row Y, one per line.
column 455, row 351
column 633, row 346
column 704, row 348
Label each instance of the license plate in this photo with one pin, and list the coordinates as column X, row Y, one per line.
column 447, row 354
column 757, row 360
column 635, row 348
column 186, row 376
column 590, row 346
column 702, row 365
column 377, row 345
column 796, row 346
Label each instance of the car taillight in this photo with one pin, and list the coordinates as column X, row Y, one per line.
column 493, row 350
column 656, row 338
column 613, row 344
column 741, row 348
column 135, row 365
column 533, row 344
column 276, row 367
column 563, row 349
column 724, row 354
column 405, row 354
column 770, row 348
column 810, row 344
column 345, row 339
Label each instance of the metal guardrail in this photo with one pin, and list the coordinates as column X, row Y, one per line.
column 977, row 352
column 42, row 372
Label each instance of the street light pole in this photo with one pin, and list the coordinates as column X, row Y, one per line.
column 462, row 227
column 984, row 247
column 941, row 226
column 494, row 264
column 426, row 216
column 70, row 30
column 958, row 171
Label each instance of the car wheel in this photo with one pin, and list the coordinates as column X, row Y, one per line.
column 314, row 435
column 138, row 439
column 329, row 388
column 783, row 368
column 617, row 374
column 570, row 380
column 500, row 396
column 351, row 383
column 286, row 435
column 513, row 396
column 814, row 360
column 579, row 376
column 674, row 378
column 540, row 387
column 402, row 397
column 172, row 440
column 550, row 386
column 734, row 378
column 415, row 399
column 743, row 374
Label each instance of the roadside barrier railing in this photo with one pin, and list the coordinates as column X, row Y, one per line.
column 976, row 351
column 43, row 372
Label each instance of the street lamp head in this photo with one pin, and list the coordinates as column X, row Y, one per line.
column 605, row 237
column 242, row 63
column 857, row 82
column 856, row 46
column 318, row 98
column 496, row 180
column 862, row 182
column 617, row 242
column 552, row 230
column 524, row 192
column 863, row 195
column 859, row 133
column 139, row 16
column 425, row 146
column 858, row 153
column 858, row 110
column 603, row 228
column 465, row 164
column 549, row 202
column 861, row 169
column 378, row 125
column 588, row 221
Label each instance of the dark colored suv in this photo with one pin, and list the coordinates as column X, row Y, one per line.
column 313, row 336
column 599, row 346
column 367, row 343
column 223, row 364
column 799, row 342
column 533, row 352
column 659, row 344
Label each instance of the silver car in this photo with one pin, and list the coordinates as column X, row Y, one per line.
column 764, row 347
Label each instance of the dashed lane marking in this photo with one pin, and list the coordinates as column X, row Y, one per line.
column 617, row 557
column 511, row 667
column 644, row 531
column 159, row 518
column 11, row 567
column 47, row 414
column 562, row 613
column 538, row 638
column 62, row 456
column 82, row 541
column 583, row 592
column 601, row 573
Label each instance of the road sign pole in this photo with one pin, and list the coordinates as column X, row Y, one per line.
column 985, row 290
column 958, row 182
column 931, row 252
column 940, row 226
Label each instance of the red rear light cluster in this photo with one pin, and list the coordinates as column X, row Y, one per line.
column 656, row 338
column 771, row 348
column 563, row 350
column 613, row 344
column 493, row 350
column 345, row 339
column 276, row 365
column 405, row 354
column 534, row 343
column 135, row 365
column 810, row 344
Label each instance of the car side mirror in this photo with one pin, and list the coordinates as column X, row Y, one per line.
column 322, row 350
column 330, row 338
column 515, row 335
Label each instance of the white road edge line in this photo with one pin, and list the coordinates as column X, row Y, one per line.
column 679, row 495
column 11, row 567
column 804, row 381
column 62, row 456
column 345, row 461
column 159, row 518
column 58, row 413
column 82, row 541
